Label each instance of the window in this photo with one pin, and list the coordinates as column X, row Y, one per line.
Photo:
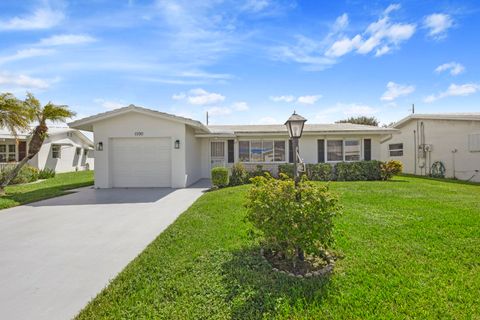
column 244, row 151
column 334, row 150
column 352, row 150
column 474, row 142
column 78, row 151
column 395, row 149
column 56, row 151
column 217, row 149
column 279, row 151
column 261, row 151
column 85, row 152
column 8, row 153
column 256, row 151
column 12, row 149
column 3, row 153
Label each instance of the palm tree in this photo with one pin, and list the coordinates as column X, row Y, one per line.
column 13, row 115
column 35, row 113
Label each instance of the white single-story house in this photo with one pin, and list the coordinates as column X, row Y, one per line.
column 138, row 147
column 453, row 139
column 64, row 150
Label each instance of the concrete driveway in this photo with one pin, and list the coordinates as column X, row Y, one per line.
column 57, row 254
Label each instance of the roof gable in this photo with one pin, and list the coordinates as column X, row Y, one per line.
column 87, row 123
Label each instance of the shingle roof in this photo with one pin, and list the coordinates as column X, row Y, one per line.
column 279, row 128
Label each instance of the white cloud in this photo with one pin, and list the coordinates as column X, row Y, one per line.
column 240, row 106
column 343, row 46
column 256, row 5
column 21, row 81
column 395, row 90
column 381, row 36
column 455, row 68
column 309, row 99
column 199, row 97
column 25, row 54
column 454, row 90
column 438, row 24
column 43, row 18
column 341, row 23
column 219, row 111
column 65, row 39
column 287, row 98
column 391, row 8
column 110, row 104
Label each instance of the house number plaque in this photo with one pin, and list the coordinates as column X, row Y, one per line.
column 138, row 133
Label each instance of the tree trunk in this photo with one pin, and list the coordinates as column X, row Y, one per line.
column 34, row 146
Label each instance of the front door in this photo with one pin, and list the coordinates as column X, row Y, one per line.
column 217, row 154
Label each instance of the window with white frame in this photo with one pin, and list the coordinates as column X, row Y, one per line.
column 395, row 149
column 8, row 153
column 56, row 151
column 352, row 150
column 261, row 150
column 217, row 149
column 334, row 150
column 474, row 142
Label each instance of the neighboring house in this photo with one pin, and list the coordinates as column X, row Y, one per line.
column 63, row 150
column 138, row 147
column 453, row 139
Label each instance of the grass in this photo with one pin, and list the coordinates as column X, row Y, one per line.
column 410, row 250
column 21, row 194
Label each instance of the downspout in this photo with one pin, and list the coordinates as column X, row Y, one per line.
column 415, row 151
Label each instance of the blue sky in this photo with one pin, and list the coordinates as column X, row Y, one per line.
column 251, row 61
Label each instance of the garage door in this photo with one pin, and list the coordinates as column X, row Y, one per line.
column 140, row 162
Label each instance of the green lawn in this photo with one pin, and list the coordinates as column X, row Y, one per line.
column 410, row 249
column 57, row 186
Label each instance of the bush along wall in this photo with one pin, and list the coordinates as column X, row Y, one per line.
column 359, row 171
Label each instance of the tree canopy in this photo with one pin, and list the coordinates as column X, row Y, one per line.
column 369, row 121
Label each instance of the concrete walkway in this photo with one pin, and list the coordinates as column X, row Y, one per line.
column 57, row 254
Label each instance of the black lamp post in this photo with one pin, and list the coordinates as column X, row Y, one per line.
column 295, row 128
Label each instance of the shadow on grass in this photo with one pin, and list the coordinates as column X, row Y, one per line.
column 23, row 197
column 256, row 292
column 448, row 180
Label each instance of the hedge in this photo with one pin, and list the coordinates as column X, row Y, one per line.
column 341, row 171
column 220, row 177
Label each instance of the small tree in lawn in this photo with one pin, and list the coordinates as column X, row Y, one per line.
column 34, row 112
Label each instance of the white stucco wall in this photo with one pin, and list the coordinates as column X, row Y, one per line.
column 444, row 136
column 125, row 126
column 69, row 160
column 193, row 155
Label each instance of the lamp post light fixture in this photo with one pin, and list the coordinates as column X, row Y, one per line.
column 295, row 126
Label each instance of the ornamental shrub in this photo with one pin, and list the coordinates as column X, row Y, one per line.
column 220, row 177
column 46, row 173
column 320, row 172
column 391, row 168
column 292, row 220
column 358, row 171
column 27, row 174
column 258, row 172
column 239, row 175
column 286, row 169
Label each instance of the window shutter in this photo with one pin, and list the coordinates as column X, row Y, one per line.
column 321, row 150
column 367, row 149
column 290, row 151
column 231, row 157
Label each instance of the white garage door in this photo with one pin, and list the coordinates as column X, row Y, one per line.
column 140, row 162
